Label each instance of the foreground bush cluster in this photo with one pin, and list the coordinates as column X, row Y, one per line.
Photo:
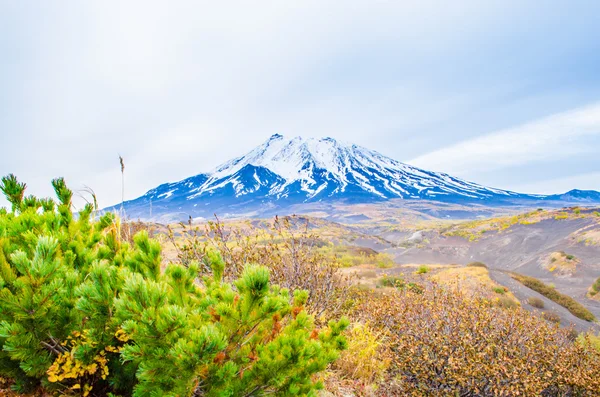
column 446, row 343
column 82, row 312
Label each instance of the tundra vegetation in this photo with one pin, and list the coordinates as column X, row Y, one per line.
column 576, row 308
column 89, row 307
column 479, row 229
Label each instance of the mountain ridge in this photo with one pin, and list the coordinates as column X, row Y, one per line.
column 287, row 171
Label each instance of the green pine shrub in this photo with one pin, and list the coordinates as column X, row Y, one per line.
column 423, row 269
column 85, row 312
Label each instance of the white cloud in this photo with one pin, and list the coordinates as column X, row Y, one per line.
column 557, row 137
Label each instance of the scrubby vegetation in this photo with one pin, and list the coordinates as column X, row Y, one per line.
column 286, row 247
column 595, row 288
column 398, row 282
column 477, row 264
column 392, row 281
column 506, row 302
column 576, row 308
column 475, row 230
column 445, row 343
column 89, row 306
column 422, row 269
column 536, row 302
column 551, row 316
column 348, row 256
column 478, row 229
column 367, row 358
column 561, row 263
column 589, row 339
column 476, row 281
column 82, row 312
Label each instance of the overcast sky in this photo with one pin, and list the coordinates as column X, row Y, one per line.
column 503, row 93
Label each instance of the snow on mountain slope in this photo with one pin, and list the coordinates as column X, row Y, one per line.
column 284, row 171
column 318, row 164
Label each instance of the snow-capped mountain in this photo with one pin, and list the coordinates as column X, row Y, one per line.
column 284, row 171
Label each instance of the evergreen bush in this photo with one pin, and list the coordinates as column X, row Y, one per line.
column 84, row 312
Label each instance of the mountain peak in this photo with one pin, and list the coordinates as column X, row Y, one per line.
column 284, row 171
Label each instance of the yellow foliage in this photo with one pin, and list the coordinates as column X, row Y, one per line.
column 121, row 335
column 561, row 263
column 367, row 357
column 472, row 280
column 589, row 339
column 67, row 367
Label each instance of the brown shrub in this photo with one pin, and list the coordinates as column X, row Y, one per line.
column 477, row 264
column 286, row 247
column 506, row 303
column 551, row 316
column 536, row 302
column 446, row 343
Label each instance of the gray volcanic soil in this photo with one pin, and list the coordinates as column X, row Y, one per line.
column 521, row 249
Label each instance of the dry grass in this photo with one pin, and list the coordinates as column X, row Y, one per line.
column 561, row 263
column 432, row 266
column 589, row 238
column 334, row 241
column 364, row 275
column 594, row 289
column 372, row 277
column 474, row 230
column 367, row 357
column 473, row 280
column 536, row 302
